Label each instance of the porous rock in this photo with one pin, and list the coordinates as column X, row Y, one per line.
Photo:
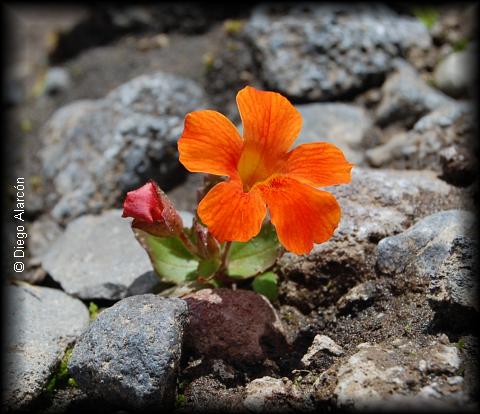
column 458, row 165
column 422, row 146
column 406, row 97
column 376, row 204
column 274, row 395
column 322, row 51
column 395, row 374
column 238, row 326
column 96, row 151
column 421, row 250
column 130, row 354
column 454, row 285
column 322, row 345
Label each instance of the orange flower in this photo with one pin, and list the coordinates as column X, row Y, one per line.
column 263, row 172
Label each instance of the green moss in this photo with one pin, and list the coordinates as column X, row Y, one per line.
column 26, row 125
column 233, row 26
column 39, row 86
column 460, row 344
column 93, row 310
column 460, row 45
column 288, row 316
column 231, row 46
column 180, row 399
column 208, row 61
column 36, row 182
column 427, row 15
column 76, row 71
column 61, row 378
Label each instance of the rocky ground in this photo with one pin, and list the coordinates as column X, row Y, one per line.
column 380, row 316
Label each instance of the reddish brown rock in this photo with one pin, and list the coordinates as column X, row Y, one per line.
column 238, row 326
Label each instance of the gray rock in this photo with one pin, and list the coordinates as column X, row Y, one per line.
column 406, row 97
column 96, row 151
column 293, row 322
column 357, row 297
column 274, row 395
column 455, row 74
column 376, row 204
column 260, row 390
column 321, row 344
column 382, row 375
column 97, row 257
column 420, row 251
column 56, row 80
column 454, row 286
column 323, row 51
column 130, row 354
column 187, row 218
column 149, row 282
column 421, row 147
column 458, row 165
column 341, row 124
column 13, row 90
column 40, row 324
column 42, row 233
column 184, row 196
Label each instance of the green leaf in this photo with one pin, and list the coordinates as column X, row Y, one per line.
column 170, row 258
column 266, row 284
column 255, row 256
column 207, row 267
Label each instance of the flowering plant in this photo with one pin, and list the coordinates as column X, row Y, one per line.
column 231, row 238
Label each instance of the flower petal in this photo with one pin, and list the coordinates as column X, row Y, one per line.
column 209, row 143
column 144, row 203
column 268, row 118
column 152, row 211
column 231, row 214
column 301, row 214
column 319, row 164
column 270, row 126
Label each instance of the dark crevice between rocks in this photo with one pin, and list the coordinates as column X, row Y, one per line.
column 100, row 303
column 454, row 320
column 298, row 349
column 105, row 23
column 48, row 281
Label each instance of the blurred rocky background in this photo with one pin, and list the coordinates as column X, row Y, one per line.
column 382, row 314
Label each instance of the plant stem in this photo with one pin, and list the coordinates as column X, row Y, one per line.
column 188, row 244
column 224, row 261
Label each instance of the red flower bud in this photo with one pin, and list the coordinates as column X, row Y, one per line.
column 152, row 211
